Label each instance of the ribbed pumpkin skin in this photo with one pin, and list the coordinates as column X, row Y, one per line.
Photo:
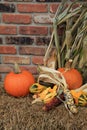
column 73, row 77
column 18, row 84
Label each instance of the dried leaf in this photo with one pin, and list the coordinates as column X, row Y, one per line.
column 47, row 54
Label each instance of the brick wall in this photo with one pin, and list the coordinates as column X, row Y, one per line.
column 25, row 28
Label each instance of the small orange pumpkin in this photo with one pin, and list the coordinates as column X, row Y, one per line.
column 73, row 77
column 17, row 84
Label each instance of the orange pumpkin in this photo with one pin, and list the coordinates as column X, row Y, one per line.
column 73, row 77
column 17, row 84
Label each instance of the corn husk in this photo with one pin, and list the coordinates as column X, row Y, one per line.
column 51, row 75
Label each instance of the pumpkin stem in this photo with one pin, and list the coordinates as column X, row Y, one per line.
column 68, row 64
column 16, row 68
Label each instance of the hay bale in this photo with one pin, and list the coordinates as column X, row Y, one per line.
column 20, row 114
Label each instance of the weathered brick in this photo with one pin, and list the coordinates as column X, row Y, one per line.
column 76, row 5
column 32, row 50
column 40, row 8
column 33, row 30
column 5, row 29
column 42, row 40
column 19, row 40
column 37, row 60
column 5, row 68
column 57, row 0
column 48, row 0
column 1, row 40
column 60, row 30
column 7, row 50
column 45, row 18
column 53, row 7
column 79, row 0
column 32, row 69
column 18, row 59
column 0, row 77
column 0, row 59
column 16, row 18
column 7, row 7
column 18, row 0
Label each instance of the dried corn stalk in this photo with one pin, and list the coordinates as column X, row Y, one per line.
column 73, row 43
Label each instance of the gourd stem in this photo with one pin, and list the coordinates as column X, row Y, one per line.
column 16, row 68
column 68, row 64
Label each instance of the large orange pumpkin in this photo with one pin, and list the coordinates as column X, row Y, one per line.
column 73, row 77
column 17, row 84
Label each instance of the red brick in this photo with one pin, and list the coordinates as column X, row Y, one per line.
column 40, row 8
column 4, row 68
column 18, row 59
column 33, row 30
column 32, row 69
column 53, row 7
column 32, row 50
column 76, row 5
column 37, row 60
column 7, row 50
column 16, row 18
column 8, row 29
